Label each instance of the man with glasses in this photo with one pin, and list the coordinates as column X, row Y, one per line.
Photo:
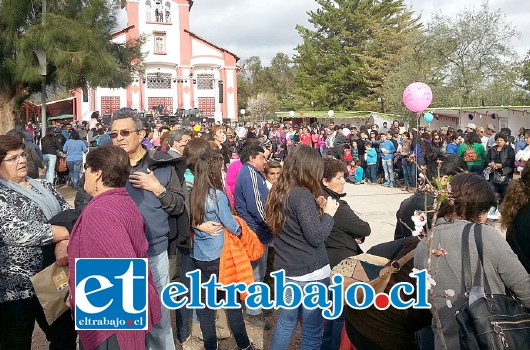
column 156, row 189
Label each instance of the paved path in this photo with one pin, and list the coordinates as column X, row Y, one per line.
column 377, row 205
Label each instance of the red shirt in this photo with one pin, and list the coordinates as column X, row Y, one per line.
column 305, row 138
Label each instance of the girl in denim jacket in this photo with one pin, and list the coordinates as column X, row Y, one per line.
column 208, row 202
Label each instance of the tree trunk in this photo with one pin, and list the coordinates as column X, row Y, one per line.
column 11, row 112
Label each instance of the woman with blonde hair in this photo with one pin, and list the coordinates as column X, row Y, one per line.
column 516, row 216
column 301, row 219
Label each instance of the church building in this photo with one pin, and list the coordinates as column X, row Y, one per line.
column 182, row 72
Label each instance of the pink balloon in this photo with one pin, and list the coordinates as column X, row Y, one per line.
column 417, row 97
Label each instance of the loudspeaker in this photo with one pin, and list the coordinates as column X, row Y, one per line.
column 221, row 94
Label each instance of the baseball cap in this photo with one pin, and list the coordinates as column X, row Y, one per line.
column 471, row 126
column 491, row 127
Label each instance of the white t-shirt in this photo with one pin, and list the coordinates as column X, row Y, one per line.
column 316, row 275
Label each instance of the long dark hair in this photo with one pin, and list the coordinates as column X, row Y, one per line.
column 208, row 176
column 517, row 197
column 471, row 196
column 303, row 167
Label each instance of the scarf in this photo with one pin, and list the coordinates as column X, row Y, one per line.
column 40, row 195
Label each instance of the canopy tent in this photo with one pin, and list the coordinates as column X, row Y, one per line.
column 343, row 117
column 512, row 117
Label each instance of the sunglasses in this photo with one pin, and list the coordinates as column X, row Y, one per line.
column 123, row 133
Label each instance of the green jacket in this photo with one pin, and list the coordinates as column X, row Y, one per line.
column 479, row 150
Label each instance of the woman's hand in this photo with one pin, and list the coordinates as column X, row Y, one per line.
column 331, row 206
column 321, row 201
column 61, row 253
column 211, row 228
column 60, row 233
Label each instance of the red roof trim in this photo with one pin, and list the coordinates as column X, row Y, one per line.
column 210, row 43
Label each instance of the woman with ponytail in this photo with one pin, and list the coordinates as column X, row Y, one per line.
column 516, row 216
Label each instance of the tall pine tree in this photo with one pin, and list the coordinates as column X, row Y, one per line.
column 343, row 59
column 76, row 37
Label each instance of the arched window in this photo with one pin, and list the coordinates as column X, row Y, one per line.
column 167, row 12
column 148, row 11
column 159, row 11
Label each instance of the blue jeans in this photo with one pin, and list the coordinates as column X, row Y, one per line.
column 371, row 170
column 409, row 173
column 333, row 333
column 74, row 167
column 161, row 335
column 49, row 161
column 312, row 323
column 388, row 168
column 207, row 316
column 259, row 267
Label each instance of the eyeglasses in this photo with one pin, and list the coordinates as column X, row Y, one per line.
column 124, row 133
column 15, row 158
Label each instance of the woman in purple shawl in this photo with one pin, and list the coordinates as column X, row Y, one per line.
column 110, row 226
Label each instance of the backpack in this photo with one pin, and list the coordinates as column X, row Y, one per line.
column 470, row 155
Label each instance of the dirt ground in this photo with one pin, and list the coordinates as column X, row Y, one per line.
column 259, row 337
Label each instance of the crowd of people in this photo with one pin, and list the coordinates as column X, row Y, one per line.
column 182, row 197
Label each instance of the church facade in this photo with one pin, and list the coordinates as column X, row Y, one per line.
column 182, row 72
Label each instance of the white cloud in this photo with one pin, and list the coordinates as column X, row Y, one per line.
column 265, row 27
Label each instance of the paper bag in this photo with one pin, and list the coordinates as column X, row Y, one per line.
column 51, row 287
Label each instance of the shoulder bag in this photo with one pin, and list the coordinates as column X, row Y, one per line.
column 488, row 321
column 61, row 165
column 371, row 269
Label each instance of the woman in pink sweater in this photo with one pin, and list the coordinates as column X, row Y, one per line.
column 110, row 226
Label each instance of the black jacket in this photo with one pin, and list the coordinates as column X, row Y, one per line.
column 341, row 244
column 417, row 201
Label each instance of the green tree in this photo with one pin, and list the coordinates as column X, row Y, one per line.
column 525, row 78
column 475, row 51
column 354, row 43
column 76, row 36
column 276, row 79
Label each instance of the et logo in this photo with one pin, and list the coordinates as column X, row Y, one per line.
column 111, row 294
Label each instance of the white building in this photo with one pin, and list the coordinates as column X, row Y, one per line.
column 182, row 71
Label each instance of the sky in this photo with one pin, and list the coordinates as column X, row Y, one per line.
column 265, row 27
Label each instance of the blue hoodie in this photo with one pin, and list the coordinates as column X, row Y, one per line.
column 389, row 146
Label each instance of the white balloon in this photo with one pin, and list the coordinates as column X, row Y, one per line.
column 241, row 132
column 346, row 132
